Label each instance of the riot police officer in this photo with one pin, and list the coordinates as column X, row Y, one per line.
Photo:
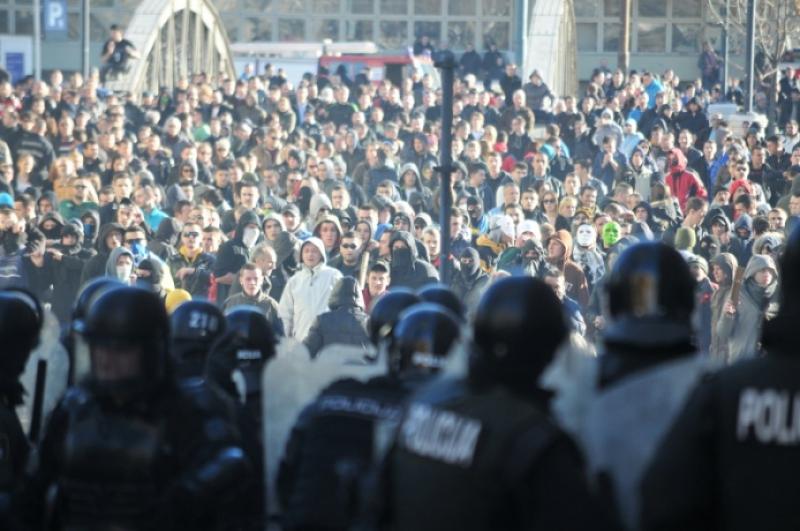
column 729, row 460
column 481, row 452
column 76, row 346
column 332, row 444
column 648, row 366
column 126, row 449
column 195, row 326
column 20, row 324
column 441, row 294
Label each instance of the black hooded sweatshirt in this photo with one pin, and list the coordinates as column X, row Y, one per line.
column 233, row 254
column 407, row 269
column 96, row 266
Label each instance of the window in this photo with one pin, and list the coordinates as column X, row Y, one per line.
column 360, row 30
column 685, row 38
column 255, row 29
column 427, row 7
column 394, row 7
column 585, row 8
column 291, row 30
column 289, row 6
column 23, row 23
column 611, row 37
column 653, row 8
column 393, row 34
column 461, row 7
column 611, row 8
column 361, row 7
column 496, row 8
column 4, row 21
column 325, row 7
column 460, row 34
column 587, row 36
column 431, row 29
column 652, row 37
column 499, row 33
column 687, row 8
column 325, row 29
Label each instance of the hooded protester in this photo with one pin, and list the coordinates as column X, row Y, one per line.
column 91, row 224
column 408, row 270
column 285, row 246
column 344, row 324
column 109, row 238
column 559, row 253
column 587, row 255
column 148, row 277
column 70, row 258
column 234, row 253
column 490, row 246
column 638, row 174
column 119, row 265
column 682, row 183
column 723, row 271
column 167, row 239
column 743, row 231
column 469, row 282
column 328, row 228
column 704, row 293
column 51, row 225
column 411, row 182
column 741, row 323
column 307, row 292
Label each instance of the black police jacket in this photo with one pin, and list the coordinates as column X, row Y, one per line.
column 162, row 462
column 730, row 460
column 481, row 458
column 330, row 449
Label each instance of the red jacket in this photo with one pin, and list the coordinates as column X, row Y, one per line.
column 682, row 184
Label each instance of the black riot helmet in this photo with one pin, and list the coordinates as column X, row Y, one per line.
column 246, row 346
column 519, row 325
column 422, row 338
column 650, row 299
column 779, row 334
column 386, row 310
column 444, row 296
column 195, row 326
column 21, row 318
column 128, row 317
column 89, row 293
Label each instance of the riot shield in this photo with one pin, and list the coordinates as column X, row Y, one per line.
column 291, row 381
column 626, row 421
column 52, row 351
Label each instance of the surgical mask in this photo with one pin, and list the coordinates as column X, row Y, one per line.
column 586, row 236
column 124, row 272
column 249, row 236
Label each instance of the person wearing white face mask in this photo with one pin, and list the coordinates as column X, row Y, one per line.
column 586, row 254
column 120, row 265
column 307, row 292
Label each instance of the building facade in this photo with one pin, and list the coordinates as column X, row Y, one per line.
column 665, row 33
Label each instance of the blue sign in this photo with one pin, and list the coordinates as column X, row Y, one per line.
column 15, row 65
column 55, row 18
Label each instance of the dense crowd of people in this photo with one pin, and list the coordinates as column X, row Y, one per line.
column 335, row 177
column 623, row 220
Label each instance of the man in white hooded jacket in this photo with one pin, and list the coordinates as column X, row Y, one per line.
column 307, row 292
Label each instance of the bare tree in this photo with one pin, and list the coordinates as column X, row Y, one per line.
column 777, row 27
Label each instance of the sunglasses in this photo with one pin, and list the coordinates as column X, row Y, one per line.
column 134, row 241
column 549, row 201
column 349, row 246
column 191, row 234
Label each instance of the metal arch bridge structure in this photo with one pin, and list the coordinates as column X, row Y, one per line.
column 175, row 39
